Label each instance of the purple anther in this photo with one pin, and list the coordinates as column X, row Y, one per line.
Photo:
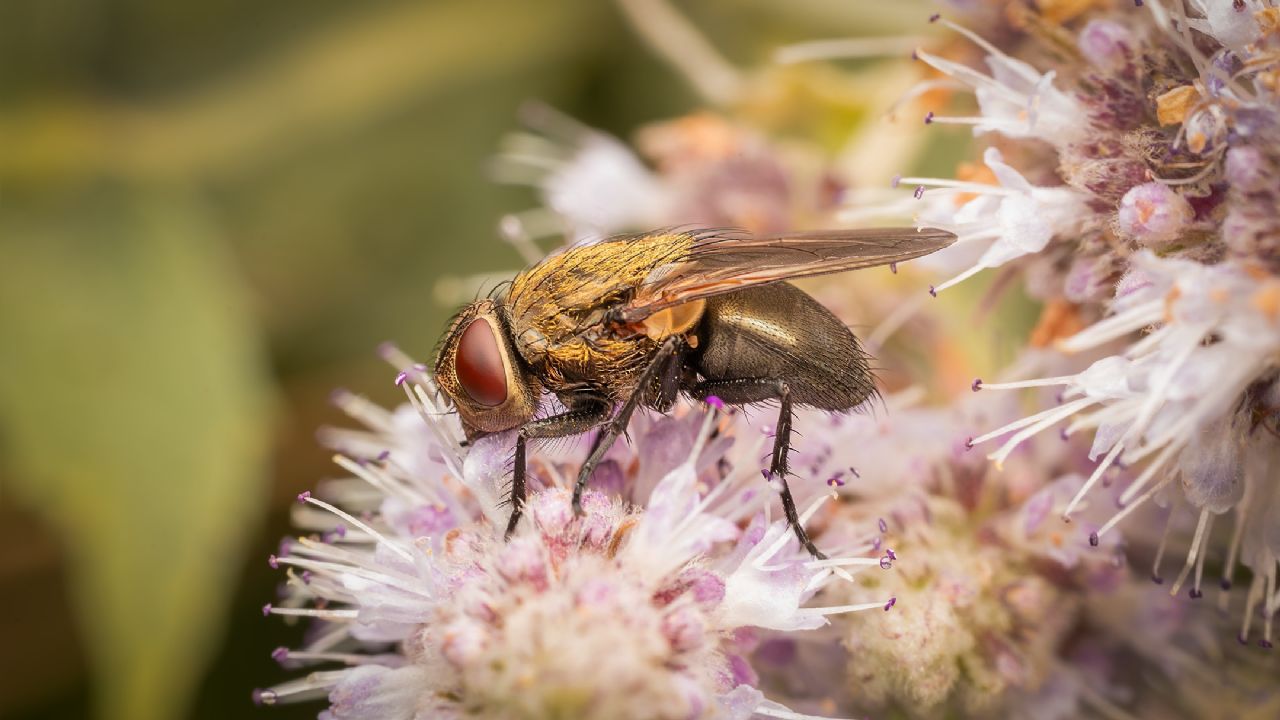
column 933, row 292
column 935, row 17
column 892, row 601
column 897, row 179
column 401, row 377
column 884, row 526
column 304, row 496
column 266, row 610
column 885, row 563
column 1093, row 539
column 890, row 554
column 1195, row 594
column 280, row 654
column 976, row 385
column 715, row 402
column 918, row 192
column 274, row 562
column 928, row 118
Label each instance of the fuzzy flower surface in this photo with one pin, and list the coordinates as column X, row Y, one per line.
column 646, row 606
column 1131, row 179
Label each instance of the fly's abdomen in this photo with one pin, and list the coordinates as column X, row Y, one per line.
column 779, row 332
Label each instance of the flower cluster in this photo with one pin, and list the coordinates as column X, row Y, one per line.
column 660, row 591
column 1153, row 143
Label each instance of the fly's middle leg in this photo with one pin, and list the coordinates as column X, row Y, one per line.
column 660, row 362
column 752, row 390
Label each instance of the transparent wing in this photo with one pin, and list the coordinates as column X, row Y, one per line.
column 717, row 263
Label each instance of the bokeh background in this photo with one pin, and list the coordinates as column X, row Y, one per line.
column 211, row 213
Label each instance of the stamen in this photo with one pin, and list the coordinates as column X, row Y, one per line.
column 1148, row 473
column 1124, row 512
column 1019, row 384
column 958, row 279
column 1118, row 325
column 324, row 614
column 1093, row 479
column 959, row 185
column 840, row 609
column 1255, row 592
column 1233, row 550
column 1037, row 423
column 1202, row 526
column 845, row 49
column 394, row 547
column 1164, row 541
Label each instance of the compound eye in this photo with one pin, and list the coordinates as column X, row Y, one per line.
column 478, row 364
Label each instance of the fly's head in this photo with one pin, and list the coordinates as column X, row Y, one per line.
column 479, row 369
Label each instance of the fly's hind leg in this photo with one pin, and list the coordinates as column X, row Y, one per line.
column 751, row 390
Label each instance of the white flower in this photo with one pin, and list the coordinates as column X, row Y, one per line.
column 1015, row 100
column 1176, row 399
column 625, row 612
column 592, row 182
column 1003, row 222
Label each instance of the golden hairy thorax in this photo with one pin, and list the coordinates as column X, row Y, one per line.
column 558, row 312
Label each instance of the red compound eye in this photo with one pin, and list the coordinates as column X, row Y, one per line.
column 478, row 364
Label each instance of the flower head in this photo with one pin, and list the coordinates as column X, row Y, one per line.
column 644, row 606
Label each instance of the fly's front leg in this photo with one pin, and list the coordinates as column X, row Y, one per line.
column 591, row 413
column 661, row 362
column 752, row 390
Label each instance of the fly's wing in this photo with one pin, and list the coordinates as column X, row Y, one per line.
column 717, row 264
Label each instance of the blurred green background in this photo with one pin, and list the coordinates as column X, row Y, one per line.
column 211, row 213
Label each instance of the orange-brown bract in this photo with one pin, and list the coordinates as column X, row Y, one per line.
column 636, row 320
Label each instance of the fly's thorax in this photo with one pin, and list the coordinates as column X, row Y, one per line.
column 482, row 373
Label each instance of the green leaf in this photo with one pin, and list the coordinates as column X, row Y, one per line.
column 134, row 417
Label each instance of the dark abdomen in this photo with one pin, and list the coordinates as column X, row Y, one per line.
column 779, row 332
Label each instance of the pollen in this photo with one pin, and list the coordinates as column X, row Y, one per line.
column 1062, row 11
column 1059, row 319
column 1268, row 20
column 1173, row 107
column 1169, row 300
column 975, row 173
column 1267, row 300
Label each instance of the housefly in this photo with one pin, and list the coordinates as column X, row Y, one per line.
column 637, row 320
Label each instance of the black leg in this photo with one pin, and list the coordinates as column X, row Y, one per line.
column 517, row 488
column 752, row 390
column 618, row 424
column 590, row 413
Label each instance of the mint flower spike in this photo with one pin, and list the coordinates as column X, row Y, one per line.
column 638, row 609
column 1172, row 400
